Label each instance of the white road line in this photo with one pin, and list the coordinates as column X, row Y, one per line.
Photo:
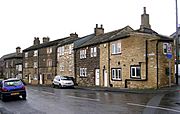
column 83, row 98
column 153, row 107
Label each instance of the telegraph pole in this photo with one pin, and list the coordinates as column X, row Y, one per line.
column 177, row 44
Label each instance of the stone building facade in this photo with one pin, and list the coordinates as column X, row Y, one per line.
column 126, row 58
column 65, row 56
column 39, row 65
column 12, row 64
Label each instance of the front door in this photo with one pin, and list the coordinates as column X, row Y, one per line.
column 29, row 78
column 105, row 78
column 97, row 77
column 41, row 79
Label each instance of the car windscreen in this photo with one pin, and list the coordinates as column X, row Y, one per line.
column 13, row 83
column 66, row 78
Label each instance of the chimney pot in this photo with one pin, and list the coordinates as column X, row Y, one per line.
column 18, row 50
column 99, row 30
column 74, row 35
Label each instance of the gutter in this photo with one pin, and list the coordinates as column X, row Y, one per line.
column 146, row 77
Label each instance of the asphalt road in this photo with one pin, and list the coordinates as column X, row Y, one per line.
column 46, row 100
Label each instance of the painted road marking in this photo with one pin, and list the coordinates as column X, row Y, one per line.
column 153, row 107
column 83, row 98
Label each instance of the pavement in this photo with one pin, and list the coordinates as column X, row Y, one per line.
column 168, row 89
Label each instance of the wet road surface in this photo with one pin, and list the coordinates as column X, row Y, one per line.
column 46, row 100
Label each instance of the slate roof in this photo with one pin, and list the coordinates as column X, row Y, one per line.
column 67, row 41
column 92, row 39
column 46, row 44
column 125, row 32
column 11, row 56
column 152, row 32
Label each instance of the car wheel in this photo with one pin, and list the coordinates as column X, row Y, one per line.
column 60, row 86
column 53, row 85
column 24, row 97
column 3, row 98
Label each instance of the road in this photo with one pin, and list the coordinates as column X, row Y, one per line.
column 47, row 100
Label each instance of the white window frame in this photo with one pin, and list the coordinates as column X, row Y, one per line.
column 61, row 67
column 49, row 50
column 26, row 54
column 7, row 65
column 116, row 73
column 116, row 48
column 83, row 72
column 83, row 54
column 49, row 62
column 25, row 65
column 61, row 50
column 35, row 64
column 135, row 68
column 94, row 52
column 70, row 49
column 35, row 53
column 70, row 67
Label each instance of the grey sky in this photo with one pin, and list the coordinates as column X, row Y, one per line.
column 22, row 20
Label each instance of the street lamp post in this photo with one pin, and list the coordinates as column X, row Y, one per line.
column 177, row 44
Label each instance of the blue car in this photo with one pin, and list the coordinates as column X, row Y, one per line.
column 11, row 88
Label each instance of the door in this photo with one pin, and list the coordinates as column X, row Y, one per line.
column 29, row 79
column 105, row 78
column 40, row 79
column 97, row 77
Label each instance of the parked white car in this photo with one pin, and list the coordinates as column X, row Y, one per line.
column 63, row 81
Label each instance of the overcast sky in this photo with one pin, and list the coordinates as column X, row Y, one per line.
column 22, row 20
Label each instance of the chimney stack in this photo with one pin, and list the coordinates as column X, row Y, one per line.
column 99, row 30
column 18, row 50
column 46, row 39
column 74, row 35
column 36, row 41
column 145, row 20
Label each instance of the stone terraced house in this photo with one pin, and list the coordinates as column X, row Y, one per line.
column 125, row 58
column 40, row 61
column 12, row 64
column 65, row 56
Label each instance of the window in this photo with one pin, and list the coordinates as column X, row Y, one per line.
column 82, row 54
column 116, row 74
column 26, row 54
column 12, row 65
column 167, row 48
column 70, row 67
column 93, row 52
column 61, row 50
column 35, row 64
column 18, row 67
column 70, row 49
column 135, row 72
column 49, row 63
column 35, row 53
column 61, row 67
column 7, row 65
column 49, row 50
column 116, row 48
column 25, row 64
column 83, row 72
